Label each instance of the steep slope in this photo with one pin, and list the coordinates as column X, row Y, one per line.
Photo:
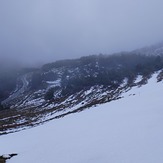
column 69, row 86
column 126, row 130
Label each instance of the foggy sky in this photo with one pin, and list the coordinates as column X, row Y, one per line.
column 39, row 31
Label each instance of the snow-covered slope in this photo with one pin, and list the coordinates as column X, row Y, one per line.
column 128, row 130
column 68, row 86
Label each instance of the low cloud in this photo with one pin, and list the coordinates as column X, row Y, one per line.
column 34, row 32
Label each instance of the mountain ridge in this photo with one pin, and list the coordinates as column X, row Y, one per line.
column 69, row 86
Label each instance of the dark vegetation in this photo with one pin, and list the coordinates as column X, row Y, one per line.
column 79, row 74
column 56, row 82
column 107, row 70
column 50, row 93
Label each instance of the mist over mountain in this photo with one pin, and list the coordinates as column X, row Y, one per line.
column 72, row 85
column 118, row 99
column 36, row 32
column 81, row 81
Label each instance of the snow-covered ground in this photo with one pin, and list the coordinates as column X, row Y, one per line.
column 128, row 130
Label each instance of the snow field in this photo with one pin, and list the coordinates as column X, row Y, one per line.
column 128, row 130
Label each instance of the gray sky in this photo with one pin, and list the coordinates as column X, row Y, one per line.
column 40, row 31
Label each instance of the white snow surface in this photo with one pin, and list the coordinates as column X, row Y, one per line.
column 139, row 79
column 54, row 83
column 128, row 130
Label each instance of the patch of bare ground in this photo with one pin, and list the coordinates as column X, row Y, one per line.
column 3, row 158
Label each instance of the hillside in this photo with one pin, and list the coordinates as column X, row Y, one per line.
column 30, row 97
column 126, row 130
